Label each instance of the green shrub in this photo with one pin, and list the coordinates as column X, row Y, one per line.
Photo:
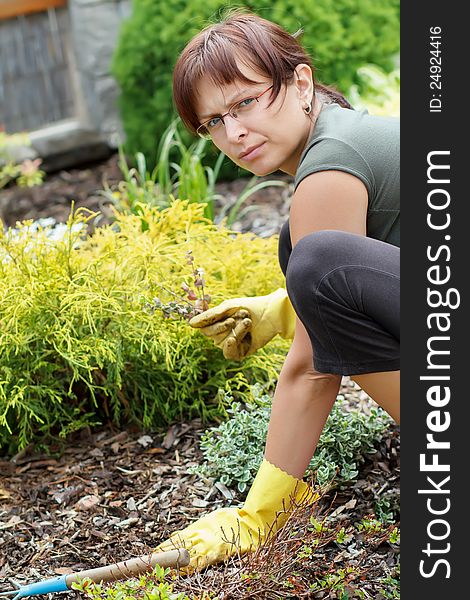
column 380, row 93
column 233, row 451
column 77, row 346
column 339, row 37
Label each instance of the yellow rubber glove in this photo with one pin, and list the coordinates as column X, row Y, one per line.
column 243, row 325
column 269, row 497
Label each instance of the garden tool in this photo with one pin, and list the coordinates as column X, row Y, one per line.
column 226, row 531
column 241, row 326
column 121, row 570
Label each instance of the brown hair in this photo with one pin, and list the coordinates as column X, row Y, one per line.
column 259, row 43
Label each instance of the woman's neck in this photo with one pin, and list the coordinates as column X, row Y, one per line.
column 292, row 168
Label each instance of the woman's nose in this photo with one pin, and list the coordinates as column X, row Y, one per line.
column 234, row 128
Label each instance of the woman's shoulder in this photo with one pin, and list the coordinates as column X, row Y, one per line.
column 351, row 141
column 339, row 129
column 337, row 119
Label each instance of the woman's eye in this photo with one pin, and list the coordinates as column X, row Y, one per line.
column 213, row 123
column 245, row 102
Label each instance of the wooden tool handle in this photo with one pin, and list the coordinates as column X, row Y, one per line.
column 134, row 566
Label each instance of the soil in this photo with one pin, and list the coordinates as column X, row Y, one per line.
column 84, row 186
column 110, row 494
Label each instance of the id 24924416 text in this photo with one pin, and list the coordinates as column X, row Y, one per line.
column 435, row 69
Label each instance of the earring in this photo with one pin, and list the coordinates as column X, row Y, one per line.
column 307, row 109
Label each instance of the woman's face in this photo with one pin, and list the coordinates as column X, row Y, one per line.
column 278, row 133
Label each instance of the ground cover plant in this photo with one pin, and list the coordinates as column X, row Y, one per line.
column 233, row 451
column 77, row 346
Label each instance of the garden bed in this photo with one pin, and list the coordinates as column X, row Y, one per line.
column 110, row 494
column 114, row 494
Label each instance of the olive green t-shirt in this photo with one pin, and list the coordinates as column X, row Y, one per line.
column 368, row 147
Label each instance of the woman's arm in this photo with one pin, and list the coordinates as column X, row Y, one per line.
column 302, row 402
column 304, row 397
column 328, row 200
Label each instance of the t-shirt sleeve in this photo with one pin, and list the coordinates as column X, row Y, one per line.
column 329, row 154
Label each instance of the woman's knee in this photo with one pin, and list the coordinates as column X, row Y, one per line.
column 313, row 257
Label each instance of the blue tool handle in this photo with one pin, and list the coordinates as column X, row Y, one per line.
column 58, row 584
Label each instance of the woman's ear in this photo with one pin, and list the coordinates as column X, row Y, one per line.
column 303, row 81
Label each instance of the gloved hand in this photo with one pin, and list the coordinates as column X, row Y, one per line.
column 243, row 325
column 269, row 497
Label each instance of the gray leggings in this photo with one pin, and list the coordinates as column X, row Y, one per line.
column 345, row 288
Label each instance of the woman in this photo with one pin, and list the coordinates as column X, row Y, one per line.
column 248, row 85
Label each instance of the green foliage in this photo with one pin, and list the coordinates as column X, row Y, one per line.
column 233, row 451
column 149, row 586
column 318, row 526
column 369, row 525
column 26, row 174
column 343, row 537
column 335, row 581
column 395, row 536
column 252, row 187
column 391, row 589
column 380, row 92
column 338, row 36
column 346, row 438
column 186, row 179
column 387, row 507
column 76, row 346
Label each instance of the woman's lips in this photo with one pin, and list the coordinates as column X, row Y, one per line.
column 254, row 153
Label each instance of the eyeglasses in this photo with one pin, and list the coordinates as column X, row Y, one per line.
column 214, row 127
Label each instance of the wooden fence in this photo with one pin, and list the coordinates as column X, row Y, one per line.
column 35, row 78
column 15, row 8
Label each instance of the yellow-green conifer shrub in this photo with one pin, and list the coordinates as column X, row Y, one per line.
column 77, row 347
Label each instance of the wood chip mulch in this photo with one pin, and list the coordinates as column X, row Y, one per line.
column 110, row 495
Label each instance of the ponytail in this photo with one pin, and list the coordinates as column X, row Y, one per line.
column 329, row 94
